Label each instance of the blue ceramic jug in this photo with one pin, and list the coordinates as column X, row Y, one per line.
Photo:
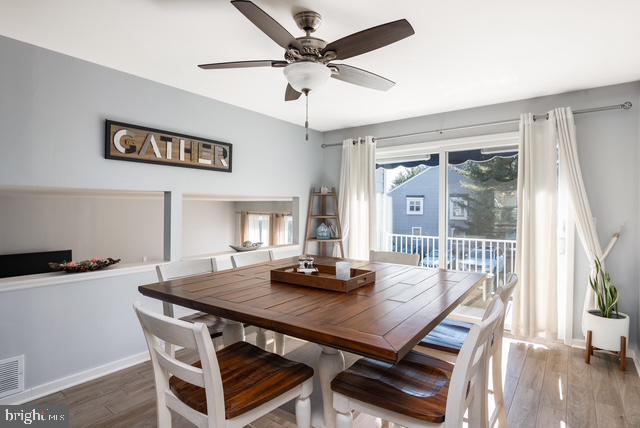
column 323, row 232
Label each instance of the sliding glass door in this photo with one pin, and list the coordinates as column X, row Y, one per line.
column 452, row 202
column 481, row 211
column 408, row 201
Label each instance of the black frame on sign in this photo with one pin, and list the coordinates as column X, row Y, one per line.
column 107, row 147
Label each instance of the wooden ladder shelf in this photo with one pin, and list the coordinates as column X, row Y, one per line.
column 331, row 219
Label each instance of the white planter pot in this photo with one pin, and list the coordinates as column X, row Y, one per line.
column 606, row 332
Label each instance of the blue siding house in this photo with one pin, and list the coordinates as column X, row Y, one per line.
column 415, row 204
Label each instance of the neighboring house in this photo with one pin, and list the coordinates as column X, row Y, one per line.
column 415, row 204
column 415, row 211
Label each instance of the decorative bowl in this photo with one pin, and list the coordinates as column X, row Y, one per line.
column 84, row 265
column 246, row 246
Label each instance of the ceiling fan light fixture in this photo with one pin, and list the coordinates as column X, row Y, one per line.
column 306, row 75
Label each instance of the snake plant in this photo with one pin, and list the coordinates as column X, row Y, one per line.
column 606, row 292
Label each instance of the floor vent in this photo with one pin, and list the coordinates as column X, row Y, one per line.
column 11, row 375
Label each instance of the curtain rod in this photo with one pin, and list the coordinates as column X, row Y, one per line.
column 624, row 106
column 263, row 212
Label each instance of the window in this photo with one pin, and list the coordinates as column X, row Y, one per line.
column 259, row 228
column 414, row 205
column 416, row 230
column 270, row 229
column 288, row 229
column 458, row 208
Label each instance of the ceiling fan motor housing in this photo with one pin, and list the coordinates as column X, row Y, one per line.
column 308, row 21
column 310, row 49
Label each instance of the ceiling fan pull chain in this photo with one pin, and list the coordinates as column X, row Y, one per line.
column 306, row 121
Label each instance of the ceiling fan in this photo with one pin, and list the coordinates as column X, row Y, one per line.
column 308, row 60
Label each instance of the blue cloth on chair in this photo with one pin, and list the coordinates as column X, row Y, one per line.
column 448, row 336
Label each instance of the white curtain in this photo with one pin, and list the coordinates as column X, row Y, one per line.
column 357, row 197
column 565, row 130
column 535, row 299
column 244, row 227
column 277, row 229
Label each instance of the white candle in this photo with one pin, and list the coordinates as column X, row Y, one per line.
column 343, row 270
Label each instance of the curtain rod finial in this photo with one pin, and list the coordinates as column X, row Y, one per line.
column 627, row 105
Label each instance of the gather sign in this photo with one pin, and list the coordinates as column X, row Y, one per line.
column 124, row 141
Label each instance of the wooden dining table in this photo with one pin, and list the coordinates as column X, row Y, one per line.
column 383, row 320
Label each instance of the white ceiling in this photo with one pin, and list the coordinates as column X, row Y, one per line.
column 464, row 53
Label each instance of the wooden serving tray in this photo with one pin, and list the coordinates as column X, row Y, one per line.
column 325, row 278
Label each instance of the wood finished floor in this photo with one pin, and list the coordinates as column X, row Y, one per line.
column 545, row 386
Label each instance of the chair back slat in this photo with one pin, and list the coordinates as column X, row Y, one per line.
column 187, row 373
column 250, row 258
column 469, row 375
column 184, row 268
column 178, row 333
column 392, row 257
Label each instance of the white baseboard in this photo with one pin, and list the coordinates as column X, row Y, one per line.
column 81, row 377
column 578, row 343
column 74, row 379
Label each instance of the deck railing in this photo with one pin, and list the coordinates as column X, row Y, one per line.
column 494, row 256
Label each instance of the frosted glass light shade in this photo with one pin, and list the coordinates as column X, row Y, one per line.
column 306, row 75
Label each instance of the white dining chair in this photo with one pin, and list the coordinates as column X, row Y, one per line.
column 421, row 391
column 249, row 258
column 392, row 257
column 183, row 269
column 446, row 340
column 285, row 253
column 226, row 389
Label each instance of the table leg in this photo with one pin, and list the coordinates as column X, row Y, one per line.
column 233, row 332
column 261, row 338
column 330, row 363
column 278, row 339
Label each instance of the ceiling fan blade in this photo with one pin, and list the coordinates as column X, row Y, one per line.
column 266, row 23
column 291, row 94
column 244, row 64
column 371, row 39
column 361, row 77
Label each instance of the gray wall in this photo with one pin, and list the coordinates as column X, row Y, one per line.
column 609, row 154
column 65, row 329
column 52, row 112
column 208, row 227
column 121, row 226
